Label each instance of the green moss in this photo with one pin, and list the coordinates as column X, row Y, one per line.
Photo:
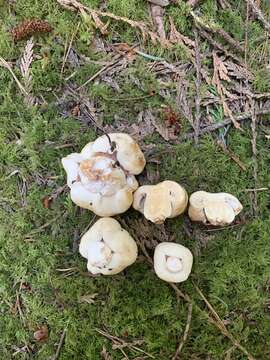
column 232, row 269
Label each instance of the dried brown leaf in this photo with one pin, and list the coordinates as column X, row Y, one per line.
column 46, row 201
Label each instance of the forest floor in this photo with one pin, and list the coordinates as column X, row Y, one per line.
column 191, row 83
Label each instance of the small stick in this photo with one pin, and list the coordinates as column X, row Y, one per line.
column 254, row 190
column 254, row 152
column 234, row 157
column 5, row 64
column 217, row 45
column 198, row 88
column 246, row 33
column 61, row 342
column 69, row 48
column 189, row 317
column 259, row 14
column 106, row 67
column 226, row 122
column 220, row 324
column 222, row 33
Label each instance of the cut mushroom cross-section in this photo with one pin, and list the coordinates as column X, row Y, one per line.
column 172, row 262
column 159, row 202
column 102, row 177
column 108, row 248
column 217, row 209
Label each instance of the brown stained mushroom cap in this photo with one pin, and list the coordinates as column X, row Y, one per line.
column 108, row 248
column 101, row 177
column 158, row 202
column 213, row 208
column 172, row 262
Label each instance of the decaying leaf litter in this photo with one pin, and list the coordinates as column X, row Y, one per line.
column 228, row 101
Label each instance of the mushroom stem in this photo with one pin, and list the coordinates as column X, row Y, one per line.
column 174, row 264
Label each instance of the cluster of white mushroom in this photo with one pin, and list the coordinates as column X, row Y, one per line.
column 102, row 179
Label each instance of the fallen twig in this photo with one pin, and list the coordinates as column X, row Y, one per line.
column 216, row 30
column 157, row 13
column 6, row 65
column 255, row 190
column 218, row 45
column 75, row 5
column 228, row 121
column 180, row 346
column 120, row 343
column 215, row 320
column 259, row 14
column 198, row 88
column 69, row 48
column 231, row 155
column 60, row 344
column 106, row 67
column 254, row 152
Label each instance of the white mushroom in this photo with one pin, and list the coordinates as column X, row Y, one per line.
column 159, row 202
column 108, row 248
column 101, row 177
column 213, row 208
column 172, row 262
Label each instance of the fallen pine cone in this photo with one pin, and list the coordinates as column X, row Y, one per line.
column 28, row 28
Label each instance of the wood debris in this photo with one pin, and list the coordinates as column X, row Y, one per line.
column 29, row 28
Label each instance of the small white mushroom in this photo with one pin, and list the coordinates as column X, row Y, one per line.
column 108, row 248
column 172, row 262
column 159, row 202
column 213, row 208
column 101, row 177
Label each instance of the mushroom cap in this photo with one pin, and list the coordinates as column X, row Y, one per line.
column 101, row 178
column 213, row 208
column 167, row 199
column 108, row 247
column 129, row 154
column 172, row 262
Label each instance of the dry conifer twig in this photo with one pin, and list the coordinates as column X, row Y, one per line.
column 6, row 65
column 60, row 344
column 215, row 320
column 75, row 5
column 25, row 66
column 184, row 339
column 254, row 152
column 216, row 30
column 198, row 88
column 227, row 121
column 259, row 14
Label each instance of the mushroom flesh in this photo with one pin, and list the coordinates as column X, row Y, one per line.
column 108, row 248
column 158, row 202
column 172, row 262
column 102, row 177
column 217, row 209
